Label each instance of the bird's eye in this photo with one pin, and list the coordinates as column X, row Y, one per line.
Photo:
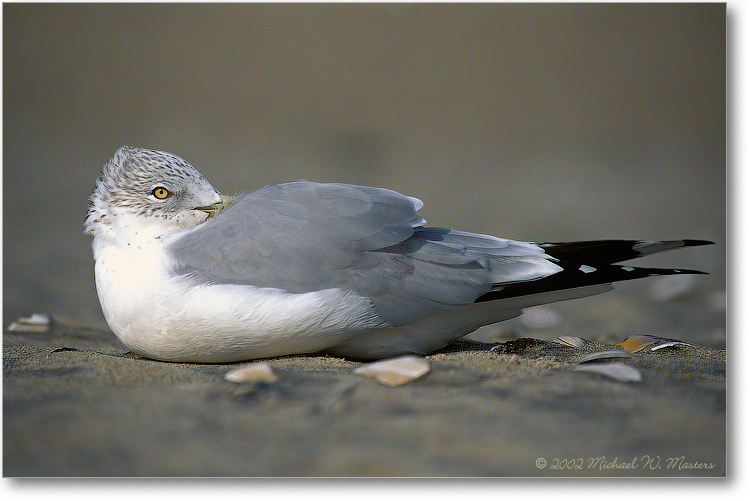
column 161, row 193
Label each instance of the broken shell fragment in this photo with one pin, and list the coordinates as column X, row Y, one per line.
column 573, row 341
column 615, row 370
column 259, row 372
column 634, row 344
column 606, row 354
column 37, row 322
column 670, row 343
column 396, row 371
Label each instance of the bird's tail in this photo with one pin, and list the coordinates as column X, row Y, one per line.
column 594, row 252
column 590, row 263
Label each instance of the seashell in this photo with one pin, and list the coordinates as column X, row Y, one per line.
column 259, row 372
column 396, row 371
column 614, row 370
column 606, row 354
column 574, row 341
column 540, row 317
column 37, row 322
column 634, row 344
column 670, row 343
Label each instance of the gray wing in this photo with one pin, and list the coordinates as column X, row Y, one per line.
column 304, row 236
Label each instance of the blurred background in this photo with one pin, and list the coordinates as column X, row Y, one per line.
column 540, row 122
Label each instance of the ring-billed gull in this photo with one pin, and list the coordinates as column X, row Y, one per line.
column 186, row 274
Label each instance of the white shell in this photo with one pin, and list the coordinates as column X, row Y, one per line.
column 616, row 370
column 396, row 371
column 37, row 322
column 250, row 373
column 670, row 343
column 606, row 354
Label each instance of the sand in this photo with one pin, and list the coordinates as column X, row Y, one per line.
column 77, row 403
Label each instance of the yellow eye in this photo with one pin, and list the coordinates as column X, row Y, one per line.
column 160, row 192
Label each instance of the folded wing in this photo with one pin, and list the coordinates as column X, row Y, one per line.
column 301, row 237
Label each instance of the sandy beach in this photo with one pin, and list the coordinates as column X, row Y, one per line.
column 77, row 403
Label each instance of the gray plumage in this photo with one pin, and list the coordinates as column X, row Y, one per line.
column 306, row 236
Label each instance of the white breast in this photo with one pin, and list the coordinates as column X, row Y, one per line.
column 175, row 317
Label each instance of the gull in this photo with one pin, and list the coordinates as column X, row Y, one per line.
column 186, row 274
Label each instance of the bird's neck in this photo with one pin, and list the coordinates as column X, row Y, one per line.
column 131, row 232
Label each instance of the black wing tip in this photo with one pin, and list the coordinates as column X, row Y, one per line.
column 571, row 278
column 618, row 273
column 597, row 252
column 666, row 271
column 696, row 243
column 693, row 272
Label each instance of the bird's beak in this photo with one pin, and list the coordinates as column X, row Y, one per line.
column 212, row 210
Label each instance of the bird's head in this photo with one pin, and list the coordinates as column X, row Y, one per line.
column 153, row 190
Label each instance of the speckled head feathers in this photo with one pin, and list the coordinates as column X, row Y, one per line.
column 131, row 182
